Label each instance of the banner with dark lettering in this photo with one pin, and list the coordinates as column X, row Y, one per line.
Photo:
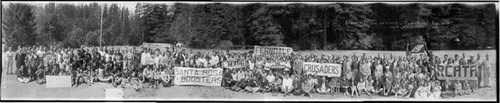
column 198, row 76
column 277, row 65
column 458, row 72
column 157, row 45
column 322, row 69
column 236, row 64
column 272, row 50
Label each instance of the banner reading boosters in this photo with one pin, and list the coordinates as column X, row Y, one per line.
column 198, row 76
column 459, row 72
column 322, row 69
column 272, row 50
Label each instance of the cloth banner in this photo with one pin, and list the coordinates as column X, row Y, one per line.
column 58, row 81
column 272, row 50
column 278, row 65
column 457, row 72
column 157, row 45
column 114, row 94
column 198, row 76
column 417, row 49
column 236, row 64
column 322, row 69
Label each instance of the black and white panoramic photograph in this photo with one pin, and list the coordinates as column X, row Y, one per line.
column 249, row 51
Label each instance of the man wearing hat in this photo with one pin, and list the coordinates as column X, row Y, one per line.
column 462, row 60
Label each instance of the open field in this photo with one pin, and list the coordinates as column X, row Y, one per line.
column 13, row 90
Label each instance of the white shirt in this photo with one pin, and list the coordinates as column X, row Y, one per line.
column 4, row 59
column 287, row 82
column 287, row 64
column 214, row 60
column 270, row 78
column 40, row 53
column 202, row 61
column 251, row 65
column 267, row 65
column 157, row 60
column 378, row 71
column 143, row 58
column 225, row 64
column 147, row 58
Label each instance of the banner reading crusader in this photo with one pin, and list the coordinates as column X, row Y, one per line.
column 459, row 72
column 322, row 69
column 198, row 76
column 272, row 50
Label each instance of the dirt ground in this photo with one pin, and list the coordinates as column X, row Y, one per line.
column 13, row 90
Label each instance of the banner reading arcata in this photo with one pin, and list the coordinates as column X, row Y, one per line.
column 272, row 50
column 322, row 69
column 198, row 76
column 459, row 72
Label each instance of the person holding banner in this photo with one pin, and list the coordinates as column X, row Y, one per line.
column 297, row 84
column 399, row 88
column 307, row 86
column 467, row 89
column 253, row 85
column 323, row 86
column 276, row 84
column 40, row 73
column 458, row 90
column 448, row 90
column 287, row 84
column 270, row 78
column 238, row 79
column 134, row 80
column 334, row 84
column 423, row 90
column 369, row 87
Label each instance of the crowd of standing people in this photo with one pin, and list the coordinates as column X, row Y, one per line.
column 399, row 76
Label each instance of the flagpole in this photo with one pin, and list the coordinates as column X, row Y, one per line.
column 100, row 36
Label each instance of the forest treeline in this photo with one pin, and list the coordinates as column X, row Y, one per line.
column 343, row 26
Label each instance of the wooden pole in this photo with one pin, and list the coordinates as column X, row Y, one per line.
column 100, row 36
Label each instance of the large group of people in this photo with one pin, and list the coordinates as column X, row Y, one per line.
column 387, row 75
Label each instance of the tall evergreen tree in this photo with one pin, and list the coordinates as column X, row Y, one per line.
column 18, row 25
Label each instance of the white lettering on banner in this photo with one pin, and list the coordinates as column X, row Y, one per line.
column 198, row 76
column 322, row 69
column 272, row 50
column 58, row 81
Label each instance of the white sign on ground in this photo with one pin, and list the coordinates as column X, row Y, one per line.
column 114, row 94
column 58, row 81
